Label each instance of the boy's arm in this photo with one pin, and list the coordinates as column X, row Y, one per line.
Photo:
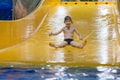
column 79, row 34
column 56, row 33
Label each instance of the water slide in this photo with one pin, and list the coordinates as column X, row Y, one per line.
column 26, row 41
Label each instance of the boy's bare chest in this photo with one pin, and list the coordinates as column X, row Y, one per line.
column 69, row 30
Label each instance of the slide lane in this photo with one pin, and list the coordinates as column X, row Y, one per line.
column 96, row 24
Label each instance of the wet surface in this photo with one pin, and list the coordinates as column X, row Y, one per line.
column 96, row 24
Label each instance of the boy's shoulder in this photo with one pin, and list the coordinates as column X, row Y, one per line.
column 63, row 27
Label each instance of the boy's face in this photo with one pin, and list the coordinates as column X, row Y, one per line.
column 68, row 23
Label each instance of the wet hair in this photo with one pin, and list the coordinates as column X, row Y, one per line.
column 68, row 18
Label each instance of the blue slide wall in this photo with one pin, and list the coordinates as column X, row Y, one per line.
column 6, row 9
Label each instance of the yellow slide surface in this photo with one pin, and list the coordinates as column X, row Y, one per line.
column 26, row 41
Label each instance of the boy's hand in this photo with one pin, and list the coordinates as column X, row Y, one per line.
column 50, row 34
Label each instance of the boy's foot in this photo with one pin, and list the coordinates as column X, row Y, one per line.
column 83, row 44
column 52, row 45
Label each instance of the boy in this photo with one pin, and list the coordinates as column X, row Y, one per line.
column 68, row 31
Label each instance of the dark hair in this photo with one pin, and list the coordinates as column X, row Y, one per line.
column 68, row 18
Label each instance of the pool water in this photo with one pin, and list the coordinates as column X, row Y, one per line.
column 60, row 73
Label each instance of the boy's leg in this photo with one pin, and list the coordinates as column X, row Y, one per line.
column 58, row 45
column 78, row 45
